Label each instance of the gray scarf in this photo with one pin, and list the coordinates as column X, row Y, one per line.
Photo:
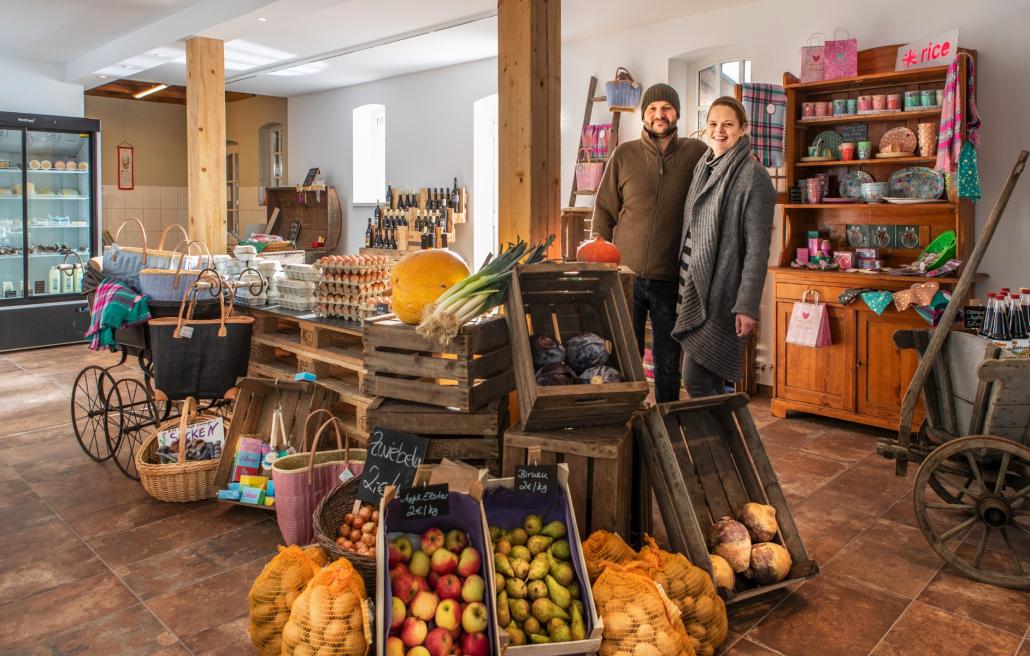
column 712, row 177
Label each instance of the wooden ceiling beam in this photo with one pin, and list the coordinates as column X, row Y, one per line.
column 124, row 89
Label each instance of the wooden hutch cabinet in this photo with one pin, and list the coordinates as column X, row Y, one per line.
column 862, row 376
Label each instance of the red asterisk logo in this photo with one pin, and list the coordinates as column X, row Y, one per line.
column 910, row 58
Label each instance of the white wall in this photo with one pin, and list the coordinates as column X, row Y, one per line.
column 37, row 87
column 428, row 136
column 771, row 32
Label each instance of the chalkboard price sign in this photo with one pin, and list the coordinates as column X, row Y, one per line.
column 537, row 479
column 424, row 501
column 393, row 458
column 973, row 317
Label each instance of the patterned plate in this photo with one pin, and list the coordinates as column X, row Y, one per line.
column 916, row 182
column 851, row 184
column 831, row 139
column 901, row 135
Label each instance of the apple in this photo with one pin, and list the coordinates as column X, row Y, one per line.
column 448, row 615
column 449, row 587
column 393, row 556
column 424, row 605
column 398, row 612
column 469, row 563
column 394, row 647
column 418, row 651
column 473, row 588
column 475, row 618
column 475, row 644
column 432, row 580
column 419, row 565
column 405, row 586
column 404, row 547
column 396, row 571
column 456, row 540
column 413, row 632
column 439, row 642
column 432, row 540
column 444, row 562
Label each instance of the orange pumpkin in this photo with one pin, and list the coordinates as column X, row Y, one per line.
column 419, row 278
column 597, row 249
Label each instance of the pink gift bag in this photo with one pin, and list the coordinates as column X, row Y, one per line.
column 841, row 56
column 812, row 59
column 809, row 323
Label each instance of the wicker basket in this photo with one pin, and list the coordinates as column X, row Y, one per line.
column 623, row 92
column 588, row 172
column 328, row 518
column 182, row 481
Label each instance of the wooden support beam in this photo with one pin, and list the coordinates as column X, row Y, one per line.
column 205, row 140
column 529, row 88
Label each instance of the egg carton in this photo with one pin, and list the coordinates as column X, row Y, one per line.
column 355, row 278
column 342, row 288
column 251, row 301
column 353, row 263
column 300, row 306
column 302, row 272
column 295, row 286
column 347, row 314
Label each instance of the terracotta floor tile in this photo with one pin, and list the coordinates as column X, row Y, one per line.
column 826, row 527
column 745, row 615
column 131, row 514
column 800, row 474
column 27, row 573
column 745, row 647
column 869, row 487
column 207, row 604
column 132, row 630
column 927, row 630
column 45, row 535
column 23, row 511
column 229, row 639
column 902, row 512
column 890, row 556
column 1025, row 650
column 842, row 444
column 789, row 433
column 829, row 615
column 88, row 488
column 24, row 622
column 179, row 568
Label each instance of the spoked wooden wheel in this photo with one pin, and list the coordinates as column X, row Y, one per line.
column 140, row 412
column 996, row 500
column 92, row 419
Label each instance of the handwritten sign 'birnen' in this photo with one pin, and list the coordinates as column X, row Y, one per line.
column 537, row 479
column 392, row 459
column 424, row 501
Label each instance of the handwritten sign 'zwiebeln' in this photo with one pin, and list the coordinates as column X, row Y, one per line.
column 536, row 479
column 392, row 459
column 424, row 501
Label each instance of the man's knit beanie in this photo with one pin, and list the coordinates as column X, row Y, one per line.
column 660, row 91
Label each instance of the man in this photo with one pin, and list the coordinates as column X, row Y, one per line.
column 639, row 207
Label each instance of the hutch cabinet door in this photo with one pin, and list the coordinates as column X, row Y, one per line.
column 822, row 376
column 884, row 371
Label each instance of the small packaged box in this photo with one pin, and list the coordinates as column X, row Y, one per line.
column 234, row 486
column 239, row 472
column 844, row 259
column 252, row 495
column 253, row 481
column 867, row 253
column 269, row 501
column 230, row 495
column 871, row 265
column 249, row 454
column 270, row 489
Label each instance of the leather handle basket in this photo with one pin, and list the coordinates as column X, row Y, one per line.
column 181, row 481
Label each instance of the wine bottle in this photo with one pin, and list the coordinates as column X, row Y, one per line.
column 368, row 235
column 455, row 196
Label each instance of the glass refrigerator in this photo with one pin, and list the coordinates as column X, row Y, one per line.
column 49, row 216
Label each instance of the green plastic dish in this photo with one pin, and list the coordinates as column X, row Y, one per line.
column 943, row 247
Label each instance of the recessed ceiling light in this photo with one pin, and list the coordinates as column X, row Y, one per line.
column 102, row 77
column 128, row 66
column 262, row 19
column 156, row 54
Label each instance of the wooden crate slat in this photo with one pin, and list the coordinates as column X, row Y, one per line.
column 429, row 420
column 450, row 396
column 579, row 487
column 753, row 489
column 696, row 441
column 490, row 364
column 662, row 487
column 729, row 476
column 416, row 364
column 581, row 443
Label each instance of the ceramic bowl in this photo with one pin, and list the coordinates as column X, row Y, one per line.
column 873, row 192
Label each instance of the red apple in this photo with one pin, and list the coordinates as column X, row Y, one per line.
column 473, row 589
column 419, row 564
column 393, row 556
column 439, row 642
column 444, row 562
column 413, row 632
column 449, row 587
column 469, row 563
column 475, row 618
column 403, row 546
column 432, row 540
column 475, row 644
column 405, row 586
column 424, row 605
column 456, row 540
column 398, row 612
column 456, row 650
column 394, row 647
column 396, row 571
column 448, row 615
column 432, row 580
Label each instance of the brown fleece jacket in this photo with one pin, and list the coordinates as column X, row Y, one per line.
column 639, row 205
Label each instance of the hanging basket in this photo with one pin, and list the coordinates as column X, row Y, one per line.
column 181, row 481
column 623, row 92
column 588, row 173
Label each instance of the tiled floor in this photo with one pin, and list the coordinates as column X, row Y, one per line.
column 92, row 565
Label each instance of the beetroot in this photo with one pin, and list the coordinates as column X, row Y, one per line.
column 587, row 350
column 555, row 374
column 599, row 375
column 546, row 350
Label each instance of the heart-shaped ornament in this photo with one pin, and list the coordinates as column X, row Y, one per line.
column 877, row 301
column 924, row 292
column 903, row 299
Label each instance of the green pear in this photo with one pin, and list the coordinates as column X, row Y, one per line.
column 539, row 543
column 503, row 565
column 516, row 588
column 519, row 609
column 561, row 550
column 520, row 566
column 503, row 546
column 499, row 580
column 518, row 536
column 545, row 609
column 519, row 551
column 559, row 630
column 537, row 589
column 533, row 524
column 558, row 593
column 503, row 612
column 578, row 629
column 562, row 572
column 573, row 589
column 538, row 568
column 532, row 625
column 496, row 533
column 537, row 639
column 555, row 529
column 577, row 606
column 517, row 636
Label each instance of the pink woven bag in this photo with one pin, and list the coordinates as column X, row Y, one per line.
column 302, row 480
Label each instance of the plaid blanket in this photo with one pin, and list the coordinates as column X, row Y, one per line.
column 115, row 305
column 949, row 137
column 766, row 128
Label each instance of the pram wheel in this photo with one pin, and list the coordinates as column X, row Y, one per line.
column 140, row 411
column 93, row 420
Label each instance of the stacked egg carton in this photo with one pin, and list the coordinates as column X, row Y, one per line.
column 251, row 289
column 297, row 289
column 353, row 287
column 271, row 271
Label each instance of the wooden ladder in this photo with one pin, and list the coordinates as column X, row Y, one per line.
column 613, row 140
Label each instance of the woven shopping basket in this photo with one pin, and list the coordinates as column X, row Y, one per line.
column 171, row 285
column 124, row 263
column 623, row 92
column 588, row 173
column 182, row 481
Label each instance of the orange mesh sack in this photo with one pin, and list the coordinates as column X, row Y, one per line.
column 692, row 591
column 274, row 590
column 602, row 547
column 639, row 620
column 330, row 616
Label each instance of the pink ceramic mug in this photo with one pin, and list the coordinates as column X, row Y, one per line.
column 865, row 103
column 808, row 109
column 820, row 108
column 815, row 190
column 879, row 102
column 894, row 101
column 847, row 151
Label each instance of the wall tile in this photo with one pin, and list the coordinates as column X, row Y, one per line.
column 152, row 219
column 151, row 197
column 169, row 216
column 169, row 197
column 131, row 199
column 114, row 217
column 183, row 198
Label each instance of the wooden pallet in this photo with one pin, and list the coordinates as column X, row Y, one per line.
column 705, row 460
column 560, row 300
column 600, row 462
column 472, row 371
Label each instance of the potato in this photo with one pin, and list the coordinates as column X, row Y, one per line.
column 617, row 624
column 698, row 631
column 303, row 649
column 334, row 631
column 645, row 633
column 292, row 633
column 668, row 642
column 704, row 610
column 354, row 644
column 646, row 649
column 321, row 607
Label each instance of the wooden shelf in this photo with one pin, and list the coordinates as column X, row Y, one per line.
column 892, row 78
column 855, row 279
column 871, row 162
column 890, row 207
column 861, row 118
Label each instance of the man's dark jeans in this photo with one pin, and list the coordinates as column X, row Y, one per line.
column 658, row 298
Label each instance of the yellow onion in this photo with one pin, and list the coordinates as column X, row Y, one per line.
column 730, row 540
column 722, row 572
column 770, row 563
column 760, row 521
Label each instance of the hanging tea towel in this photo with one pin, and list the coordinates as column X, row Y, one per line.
column 949, row 137
column 766, row 106
column 968, row 173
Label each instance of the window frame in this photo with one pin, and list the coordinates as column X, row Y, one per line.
column 366, row 147
column 744, row 66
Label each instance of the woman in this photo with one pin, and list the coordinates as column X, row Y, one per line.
column 727, row 226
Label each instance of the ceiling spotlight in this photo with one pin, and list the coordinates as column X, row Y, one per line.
column 262, row 19
column 102, row 77
column 128, row 66
column 147, row 92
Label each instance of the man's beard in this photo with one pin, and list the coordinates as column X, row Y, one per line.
column 669, row 131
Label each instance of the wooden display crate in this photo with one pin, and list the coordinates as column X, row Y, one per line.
column 705, row 460
column 472, row 371
column 473, row 437
column 600, row 461
column 561, row 300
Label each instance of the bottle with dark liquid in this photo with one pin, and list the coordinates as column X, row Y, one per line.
column 1017, row 318
column 389, row 196
column 368, row 234
column 455, row 196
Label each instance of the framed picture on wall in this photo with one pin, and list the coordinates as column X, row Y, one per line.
column 126, row 167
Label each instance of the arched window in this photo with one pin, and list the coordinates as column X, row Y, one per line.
column 272, row 158
column 369, row 153
column 718, row 80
